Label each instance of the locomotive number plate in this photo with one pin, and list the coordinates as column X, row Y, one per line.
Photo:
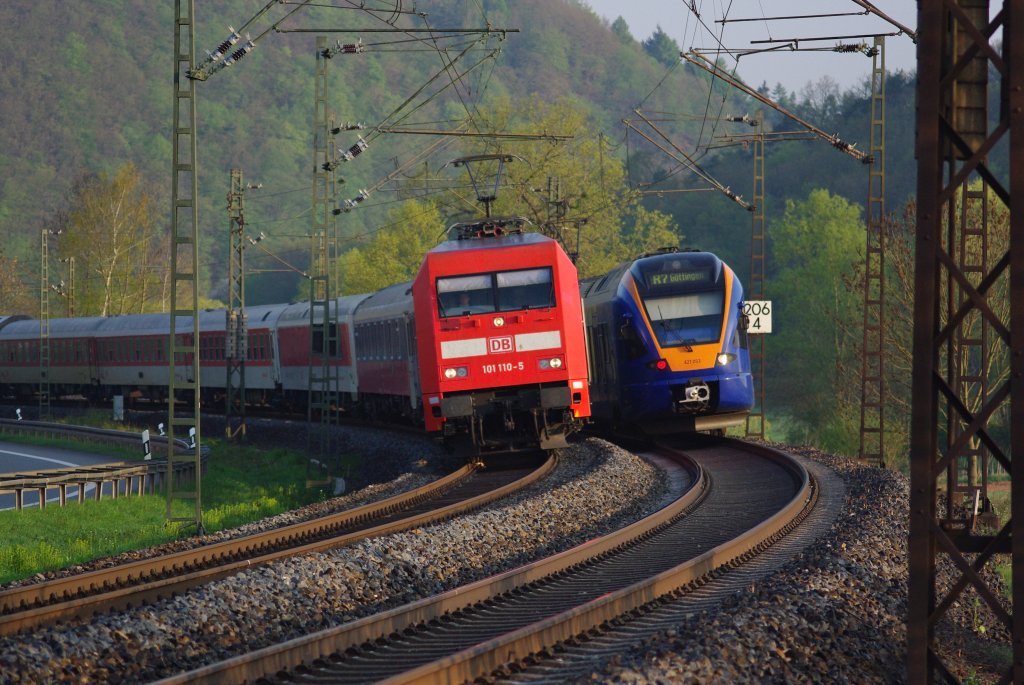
column 504, row 367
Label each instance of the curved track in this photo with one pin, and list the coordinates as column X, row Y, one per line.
column 744, row 498
column 137, row 582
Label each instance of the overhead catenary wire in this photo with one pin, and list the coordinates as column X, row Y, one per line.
column 674, row 151
column 849, row 148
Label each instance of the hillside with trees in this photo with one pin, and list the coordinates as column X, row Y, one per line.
column 101, row 100
column 599, row 122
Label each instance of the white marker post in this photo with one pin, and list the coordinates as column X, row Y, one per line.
column 147, row 455
column 759, row 315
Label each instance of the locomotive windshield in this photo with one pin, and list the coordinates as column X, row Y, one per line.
column 687, row 319
column 684, row 295
column 499, row 291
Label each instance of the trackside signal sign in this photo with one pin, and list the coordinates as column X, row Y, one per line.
column 759, row 316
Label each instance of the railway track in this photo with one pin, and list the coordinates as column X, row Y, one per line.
column 744, row 498
column 135, row 583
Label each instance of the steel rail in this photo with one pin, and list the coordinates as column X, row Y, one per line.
column 308, row 648
column 131, row 584
column 518, row 645
column 305, row 652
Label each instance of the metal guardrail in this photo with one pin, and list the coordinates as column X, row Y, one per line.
column 124, row 477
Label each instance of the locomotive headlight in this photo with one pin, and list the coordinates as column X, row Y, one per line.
column 456, row 372
column 499, row 321
column 725, row 358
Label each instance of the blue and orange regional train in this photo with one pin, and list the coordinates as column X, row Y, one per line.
column 668, row 344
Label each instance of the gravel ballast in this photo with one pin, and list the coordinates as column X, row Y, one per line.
column 596, row 487
column 835, row 614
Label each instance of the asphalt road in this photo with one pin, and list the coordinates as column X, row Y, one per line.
column 18, row 458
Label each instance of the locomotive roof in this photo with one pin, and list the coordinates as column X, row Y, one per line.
column 646, row 265
column 686, row 260
column 492, row 242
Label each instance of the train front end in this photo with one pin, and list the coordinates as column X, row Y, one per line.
column 686, row 363
column 499, row 326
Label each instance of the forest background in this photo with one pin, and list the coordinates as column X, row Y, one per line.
column 85, row 119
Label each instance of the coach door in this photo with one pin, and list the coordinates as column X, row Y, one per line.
column 409, row 341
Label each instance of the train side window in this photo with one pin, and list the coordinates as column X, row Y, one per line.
column 597, row 354
column 318, row 338
column 631, row 342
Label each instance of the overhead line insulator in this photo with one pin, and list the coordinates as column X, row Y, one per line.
column 349, row 205
column 348, row 126
column 354, row 151
column 344, row 49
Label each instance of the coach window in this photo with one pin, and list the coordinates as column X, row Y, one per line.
column 462, row 295
column 527, row 289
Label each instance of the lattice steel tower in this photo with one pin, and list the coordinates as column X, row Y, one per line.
column 236, row 338
column 324, row 343
column 958, row 47
column 44, row 325
column 755, row 288
column 183, row 346
column 872, row 370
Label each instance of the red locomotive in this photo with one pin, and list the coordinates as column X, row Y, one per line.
column 499, row 331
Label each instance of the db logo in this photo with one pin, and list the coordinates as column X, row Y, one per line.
column 502, row 344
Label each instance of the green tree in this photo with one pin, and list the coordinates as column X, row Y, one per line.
column 816, row 249
column 662, row 47
column 591, row 185
column 15, row 295
column 621, row 30
column 110, row 229
column 395, row 253
column 991, row 362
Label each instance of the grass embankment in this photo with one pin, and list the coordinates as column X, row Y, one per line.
column 241, row 485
